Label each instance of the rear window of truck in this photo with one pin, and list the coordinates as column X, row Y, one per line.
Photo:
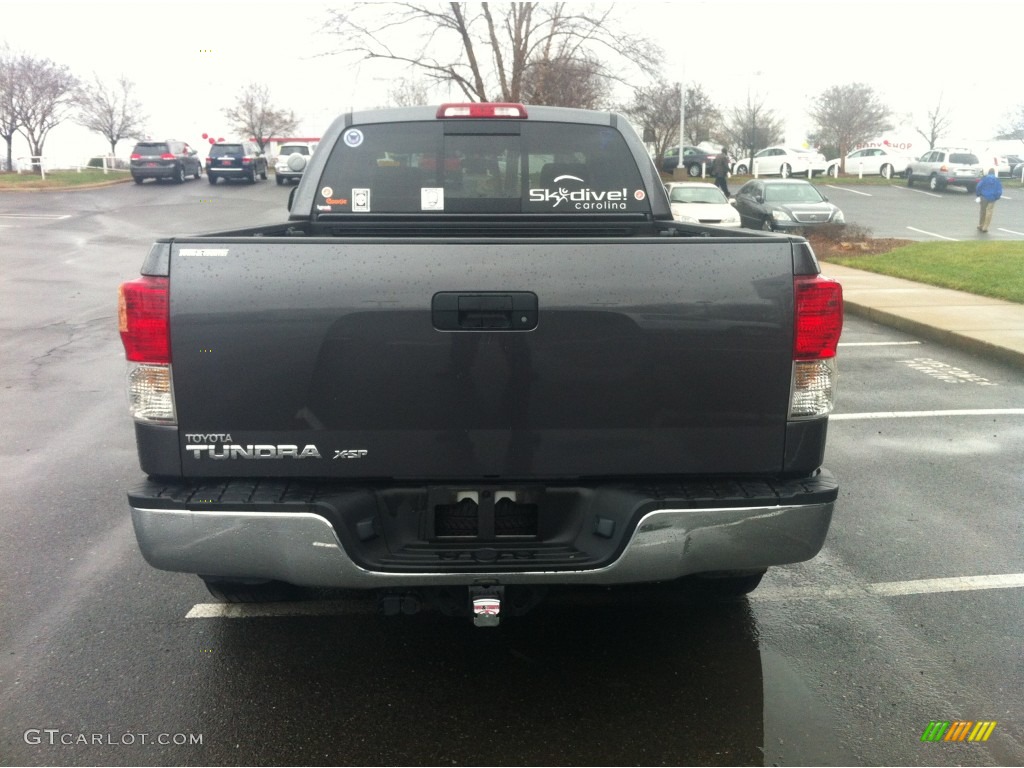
column 502, row 166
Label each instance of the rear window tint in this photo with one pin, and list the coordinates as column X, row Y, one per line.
column 220, row 150
column 963, row 157
column 495, row 166
column 151, row 148
column 294, row 150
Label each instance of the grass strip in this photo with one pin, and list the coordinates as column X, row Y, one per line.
column 58, row 179
column 994, row 269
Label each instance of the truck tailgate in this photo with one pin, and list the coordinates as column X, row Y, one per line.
column 490, row 358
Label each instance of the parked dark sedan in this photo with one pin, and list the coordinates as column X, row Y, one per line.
column 695, row 159
column 787, row 205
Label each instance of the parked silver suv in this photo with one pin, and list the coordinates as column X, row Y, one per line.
column 943, row 166
column 288, row 169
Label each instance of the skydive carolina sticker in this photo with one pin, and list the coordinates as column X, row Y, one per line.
column 353, row 137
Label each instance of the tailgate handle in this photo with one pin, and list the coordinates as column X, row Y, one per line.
column 484, row 311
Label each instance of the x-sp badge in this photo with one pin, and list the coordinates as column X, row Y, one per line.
column 352, row 453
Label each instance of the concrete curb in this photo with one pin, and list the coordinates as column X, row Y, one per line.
column 97, row 185
column 932, row 333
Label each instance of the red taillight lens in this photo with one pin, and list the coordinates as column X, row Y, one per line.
column 246, row 160
column 166, row 156
column 135, row 156
column 819, row 317
column 143, row 316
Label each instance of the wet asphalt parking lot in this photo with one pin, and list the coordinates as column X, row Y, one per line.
column 911, row 614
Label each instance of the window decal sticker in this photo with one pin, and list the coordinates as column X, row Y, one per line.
column 353, row 137
column 361, row 200
column 432, row 199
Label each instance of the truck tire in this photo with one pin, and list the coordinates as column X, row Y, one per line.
column 249, row 590
column 728, row 584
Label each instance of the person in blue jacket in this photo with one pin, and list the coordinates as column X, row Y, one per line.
column 990, row 189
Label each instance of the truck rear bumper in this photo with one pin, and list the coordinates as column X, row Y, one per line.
column 659, row 536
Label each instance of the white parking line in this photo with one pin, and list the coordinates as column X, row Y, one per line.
column 1010, row 231
column 878, row 343
column 925, row 414
column 893, row 588
column 42, row 216
column 766, row 594
column 265, row 610
column 851, row 191
column 918, row 191
column 932, row 234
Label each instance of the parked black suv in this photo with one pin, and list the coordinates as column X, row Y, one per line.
column 241, row 160
column 164, row 160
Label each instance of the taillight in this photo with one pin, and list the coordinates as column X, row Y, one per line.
column 143, row 316
column 819, row 317
column 166, row 156
column 135, row 156
column 246, row 160
column 818, row 323
column 144, row 320
column 484, row 110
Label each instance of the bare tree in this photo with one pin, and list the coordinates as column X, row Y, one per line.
column 113, row 112
column 848, row 115
column 9, row 96
column 1013, row 124
column 46, row 98
column 753, row 126
column 703, row 120
column 566, row 82
column 488, row 51
column 254, row 116
column 655, row 110
column 409, row 93
column 939, row 121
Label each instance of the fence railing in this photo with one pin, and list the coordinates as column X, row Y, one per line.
column 106, row 163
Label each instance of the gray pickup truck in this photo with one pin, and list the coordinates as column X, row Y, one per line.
column 479, row 360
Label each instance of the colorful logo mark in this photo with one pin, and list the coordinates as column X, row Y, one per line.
column 958, row 730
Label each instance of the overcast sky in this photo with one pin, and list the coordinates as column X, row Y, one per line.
column 188, row 60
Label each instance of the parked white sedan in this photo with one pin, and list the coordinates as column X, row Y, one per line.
column 872, row 161
column 782, row 161
column 697, row 202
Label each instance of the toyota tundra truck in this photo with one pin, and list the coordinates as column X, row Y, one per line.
column 478, row 360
